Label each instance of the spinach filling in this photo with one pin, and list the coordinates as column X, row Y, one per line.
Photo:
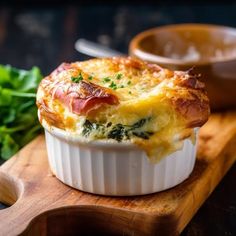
column 88, row 127
column 118, row 131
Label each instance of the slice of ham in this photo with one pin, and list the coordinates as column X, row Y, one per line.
column 80, row 98
column 83, row 97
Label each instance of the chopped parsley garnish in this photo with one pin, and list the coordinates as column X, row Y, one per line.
column 119, row 76
column 122, row 86
column 106, row 79
column 113, row 85
column 90, row 77
column 130, row 92
column 77, row 79
column 129, row 82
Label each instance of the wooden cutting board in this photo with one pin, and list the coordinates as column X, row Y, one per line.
column 42, row 205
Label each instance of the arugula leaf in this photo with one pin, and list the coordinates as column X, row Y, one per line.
column 18, row 112
column 5, row 96
column 9, row 147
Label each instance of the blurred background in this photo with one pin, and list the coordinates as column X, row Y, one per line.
column 43, row 34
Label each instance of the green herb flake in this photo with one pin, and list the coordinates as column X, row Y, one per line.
column 129, row 82
column 90, row 77
column 106, row 79
column 77, row 79
column 119, row 75
column 122, row 86
column 130, row 92
column 113, row 85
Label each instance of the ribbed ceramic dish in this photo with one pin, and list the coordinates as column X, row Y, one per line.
column 110, row 168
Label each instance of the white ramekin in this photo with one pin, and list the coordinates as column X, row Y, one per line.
column 118, row 169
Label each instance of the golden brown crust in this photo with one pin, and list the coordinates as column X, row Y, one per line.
column 52, row 118
column 185, row 93
column 79, row 98
column 193, row 110
column 194, row 105
column 82, row 98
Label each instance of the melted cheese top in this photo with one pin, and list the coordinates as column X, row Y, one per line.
column 145, row 114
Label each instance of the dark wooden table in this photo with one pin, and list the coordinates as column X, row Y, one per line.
column 45, row 35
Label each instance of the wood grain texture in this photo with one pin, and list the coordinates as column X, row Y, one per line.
column 42, row 205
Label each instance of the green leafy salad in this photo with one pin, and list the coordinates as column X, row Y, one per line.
column 18, row 112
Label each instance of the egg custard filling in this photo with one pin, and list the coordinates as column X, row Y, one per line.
column 124, row 100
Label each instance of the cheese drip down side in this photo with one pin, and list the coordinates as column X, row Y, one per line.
column 124, row 100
